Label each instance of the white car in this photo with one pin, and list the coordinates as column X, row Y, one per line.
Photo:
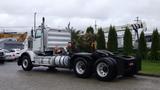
column 16, row 52
column 2, row 56
column 9, row 55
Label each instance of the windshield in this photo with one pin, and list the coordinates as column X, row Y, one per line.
column 38, row 33
column 6, row 51
column 12, row 50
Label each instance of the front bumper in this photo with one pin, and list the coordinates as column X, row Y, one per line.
column 10, row 58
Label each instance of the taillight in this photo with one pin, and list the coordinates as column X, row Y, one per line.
column 131, row 64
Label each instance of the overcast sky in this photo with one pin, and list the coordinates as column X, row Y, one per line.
column 81, row 13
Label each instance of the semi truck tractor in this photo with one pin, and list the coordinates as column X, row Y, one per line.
column 49, row 50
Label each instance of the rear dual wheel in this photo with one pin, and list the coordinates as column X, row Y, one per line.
column 102, row 69
column 82, row 67
column 105, row 70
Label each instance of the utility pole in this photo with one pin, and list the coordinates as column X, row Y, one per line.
column 137, row 19
column 95, row 25
column 3, row 30
column 35, row 23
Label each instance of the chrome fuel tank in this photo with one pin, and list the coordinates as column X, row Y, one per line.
column 57, row 61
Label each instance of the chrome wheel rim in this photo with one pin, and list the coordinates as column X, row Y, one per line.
column 102, row 69
column 80, row 67
column 25, row 63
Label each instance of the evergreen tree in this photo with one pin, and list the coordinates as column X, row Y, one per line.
column 112, row 43
column 127, row 42
column 90, row 30
column 142, row 46
column 86, row 41
column 155, row 45
column 74, row 35
column 101, row 43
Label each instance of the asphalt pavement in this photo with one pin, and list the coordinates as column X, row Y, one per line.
column 12, row 77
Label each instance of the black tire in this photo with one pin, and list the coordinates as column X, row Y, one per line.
column 26, row 63
column 105, row 70
column 84, row 70
column 2, row 61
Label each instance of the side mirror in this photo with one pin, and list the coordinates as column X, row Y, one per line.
column 32, row 33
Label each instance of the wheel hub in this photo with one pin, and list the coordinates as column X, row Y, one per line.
column 80, row 67
column 102, row 69
column 105, row 69
column 25, row 63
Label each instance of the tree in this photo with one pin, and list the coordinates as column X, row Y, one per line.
column 142, row 46
column 74, row 35
column 112, row 43
column 154, row 55
column 127, row 42
column 90, row 29
column 85, row 41
column 101, row 42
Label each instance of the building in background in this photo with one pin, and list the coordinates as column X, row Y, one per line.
column 120, row 33
column 10, row 43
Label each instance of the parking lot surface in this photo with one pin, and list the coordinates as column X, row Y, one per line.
column 12, row 77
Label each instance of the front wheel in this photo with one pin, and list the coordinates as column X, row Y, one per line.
column 26, row 63
column 82, row 67
column 105, row 70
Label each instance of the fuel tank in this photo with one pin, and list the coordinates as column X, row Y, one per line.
column 57, row 61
